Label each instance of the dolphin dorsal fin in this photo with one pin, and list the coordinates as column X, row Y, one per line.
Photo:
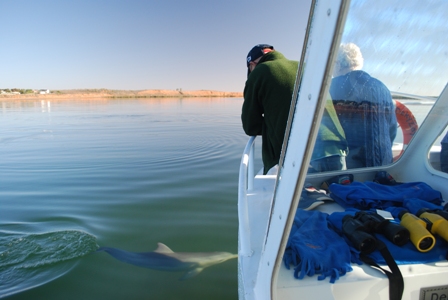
column 162, row 248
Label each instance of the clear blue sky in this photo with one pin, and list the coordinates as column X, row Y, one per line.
column 132, row 44
column 202, row 44
column 403, row 42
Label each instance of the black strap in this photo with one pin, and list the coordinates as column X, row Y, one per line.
column 396, row 283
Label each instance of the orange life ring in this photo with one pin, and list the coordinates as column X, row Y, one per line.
column 407, row 122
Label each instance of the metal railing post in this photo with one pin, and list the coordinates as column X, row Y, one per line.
column 245, row 182
column 250, row 168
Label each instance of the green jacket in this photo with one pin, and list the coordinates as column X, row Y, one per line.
column 267, row 100
column 331, row 137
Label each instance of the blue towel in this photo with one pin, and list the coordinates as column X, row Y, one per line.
column 413, row 205
column 374, row 195
column 315, row 249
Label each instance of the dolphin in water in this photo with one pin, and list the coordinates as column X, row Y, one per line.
column 164, row 259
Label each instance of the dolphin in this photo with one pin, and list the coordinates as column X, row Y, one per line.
column 165, row 259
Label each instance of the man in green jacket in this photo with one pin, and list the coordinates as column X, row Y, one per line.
column 267, row 100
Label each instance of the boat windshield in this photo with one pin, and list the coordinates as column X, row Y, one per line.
column 388, row 73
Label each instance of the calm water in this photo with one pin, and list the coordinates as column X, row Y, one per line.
column 122, row 173
column 128, row 173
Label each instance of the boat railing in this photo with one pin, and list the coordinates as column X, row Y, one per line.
column 245, row 183
column 404, row 96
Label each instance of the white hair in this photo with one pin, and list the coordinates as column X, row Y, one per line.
column 349, row 59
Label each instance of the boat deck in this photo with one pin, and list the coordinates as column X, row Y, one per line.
column 363, row 282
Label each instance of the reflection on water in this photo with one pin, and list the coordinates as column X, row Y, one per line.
column 132, row 173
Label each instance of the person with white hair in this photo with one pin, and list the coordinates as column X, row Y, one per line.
column 365, row 109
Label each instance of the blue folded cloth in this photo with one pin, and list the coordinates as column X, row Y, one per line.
column 315, row 249
column 369, row 194
column 415, row 204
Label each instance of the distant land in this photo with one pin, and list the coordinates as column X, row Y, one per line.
column 105, row 93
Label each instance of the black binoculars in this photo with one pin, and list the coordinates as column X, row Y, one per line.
column 359, row 230
column 355, row 231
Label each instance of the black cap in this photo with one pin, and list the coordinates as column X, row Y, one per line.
column 256, row 52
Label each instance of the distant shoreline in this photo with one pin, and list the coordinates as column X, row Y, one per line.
column 104, row 93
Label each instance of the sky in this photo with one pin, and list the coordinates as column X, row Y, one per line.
column 404, row 43
column 137, row 44
column 203, row 44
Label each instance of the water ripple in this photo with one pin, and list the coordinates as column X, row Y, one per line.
column 30, row 260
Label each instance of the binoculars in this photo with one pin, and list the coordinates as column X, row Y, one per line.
column 422, row 239
column 355, row 231
column 424, row 225
column 359, row 230
column 437, row 223
column 419, row 229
